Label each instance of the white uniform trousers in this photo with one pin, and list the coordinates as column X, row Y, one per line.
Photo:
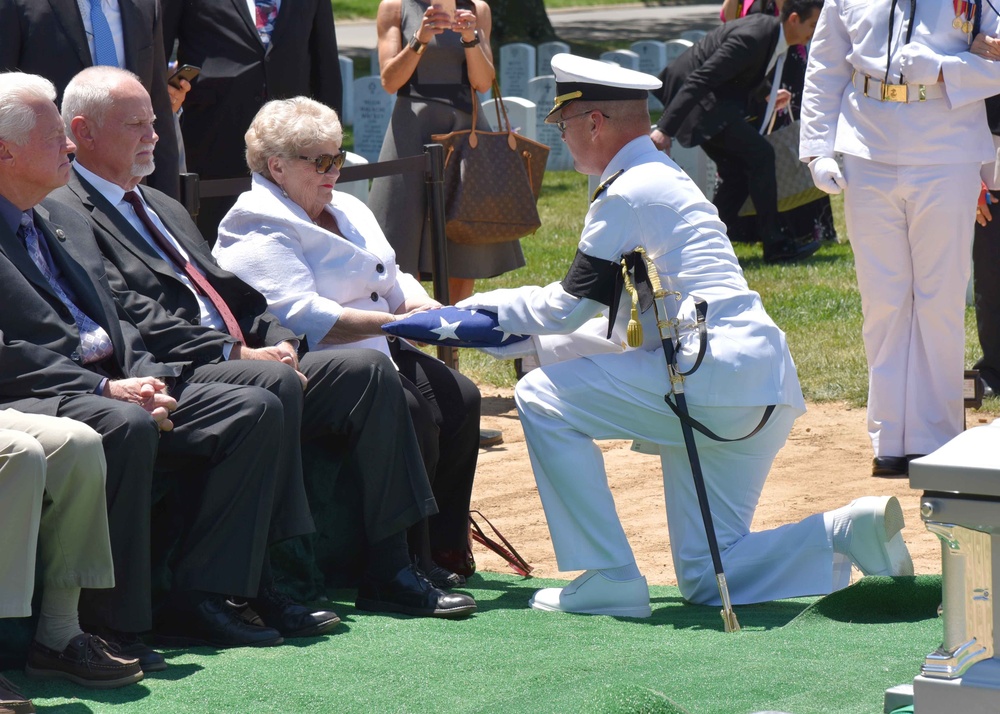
column 52, row 500
column 911, row 230
column 565, row 406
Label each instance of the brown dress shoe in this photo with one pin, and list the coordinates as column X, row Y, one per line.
column 87, row 660
column 11, row 700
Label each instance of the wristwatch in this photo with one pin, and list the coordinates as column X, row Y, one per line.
column 416, row 45
column 471, row 43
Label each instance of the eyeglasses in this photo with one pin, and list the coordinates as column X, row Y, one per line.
column 562, row 124
column 325, row 162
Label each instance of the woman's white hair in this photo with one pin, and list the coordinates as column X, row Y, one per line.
column 17, row 91
column 286, row 127
column 89, row 94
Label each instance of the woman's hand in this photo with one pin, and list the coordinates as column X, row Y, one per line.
column 466, row 24
column 436, row 20
column 986, row 47
column 782, row 100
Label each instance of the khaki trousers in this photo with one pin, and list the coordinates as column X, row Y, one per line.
column 52, row 500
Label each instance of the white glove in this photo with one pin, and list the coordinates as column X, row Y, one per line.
column 826, row 174
column 920, row 64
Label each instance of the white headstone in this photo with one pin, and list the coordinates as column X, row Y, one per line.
column 521, row 113
column 623, row 58
column 358, row 189
column 652, row 56
column 696, row 164
column 546, row 51
column 693, row 35
column 542, row 91
column 675, row 48
column 375, row 70
column 347, row 74
column 517, row 66
column 372, row 110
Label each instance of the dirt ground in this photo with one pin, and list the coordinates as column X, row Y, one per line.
column 825, row 464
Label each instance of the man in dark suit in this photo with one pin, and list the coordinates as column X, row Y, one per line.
column 52, row 39
column 245, row 61
column 705, row 96
column 70, row 348
column 354, row 402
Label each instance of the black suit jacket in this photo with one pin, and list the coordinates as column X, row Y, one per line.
column 145, row 272
column 238, row 75
column 47, row 37
column 712, row 83
column 40, row 340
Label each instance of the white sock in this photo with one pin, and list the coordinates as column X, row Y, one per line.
column 838, row 527
column 623, row 573
column 59, row 621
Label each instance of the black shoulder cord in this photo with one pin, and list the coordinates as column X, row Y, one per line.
column 909, row 34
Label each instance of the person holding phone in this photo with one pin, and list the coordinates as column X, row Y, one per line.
column 430, row 56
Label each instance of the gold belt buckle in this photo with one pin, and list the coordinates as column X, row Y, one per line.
column 894, row 93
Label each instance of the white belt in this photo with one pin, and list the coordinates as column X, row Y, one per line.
column 904, row 93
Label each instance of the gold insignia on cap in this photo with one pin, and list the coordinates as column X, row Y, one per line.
column 562, row 98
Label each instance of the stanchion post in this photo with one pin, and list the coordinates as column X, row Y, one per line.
column 439, row 253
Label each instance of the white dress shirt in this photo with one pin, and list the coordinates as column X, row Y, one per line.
column 115, row 195
column 114, row 15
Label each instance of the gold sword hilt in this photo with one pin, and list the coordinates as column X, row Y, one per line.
column 667, row 328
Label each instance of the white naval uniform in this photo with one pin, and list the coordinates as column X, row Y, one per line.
column 912, row 174
column 564, row 406
column 308, row 274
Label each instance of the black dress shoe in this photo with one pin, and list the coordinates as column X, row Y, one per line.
column 128, row 644
column 277, row 610
column 11, row 700
column 788, row 251
column 87, row 660
column 411, row 593
column 211, row 623
column 890, row 466
column 443, row 578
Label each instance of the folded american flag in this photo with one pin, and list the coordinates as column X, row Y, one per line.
column 454, row 327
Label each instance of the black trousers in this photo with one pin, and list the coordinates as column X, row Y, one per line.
column 354, row 405
column 746, row 165
column 221, row 458
column 986, row 261
column 445, row 407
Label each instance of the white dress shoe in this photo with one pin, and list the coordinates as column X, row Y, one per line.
column 876, row 544
column 594, row 594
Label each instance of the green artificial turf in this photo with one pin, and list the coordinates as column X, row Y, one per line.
column 805, row 656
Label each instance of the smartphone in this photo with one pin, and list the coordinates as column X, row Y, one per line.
column 185, row 71
column 448, row 6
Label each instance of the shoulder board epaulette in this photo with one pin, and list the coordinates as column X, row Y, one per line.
column 604, row 184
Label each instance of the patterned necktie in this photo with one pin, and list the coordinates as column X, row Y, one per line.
column 267, row 10
column 104, row 41
column 95, row 345
column 194, row 274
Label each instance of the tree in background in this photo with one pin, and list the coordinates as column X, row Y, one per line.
column 520, row 21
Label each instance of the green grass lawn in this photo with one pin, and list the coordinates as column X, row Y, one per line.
column 816, row 303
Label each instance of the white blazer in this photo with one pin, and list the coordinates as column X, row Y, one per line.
column 308, row 274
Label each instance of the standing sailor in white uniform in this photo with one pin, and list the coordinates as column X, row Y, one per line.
column 646, row 201
column 893, row 86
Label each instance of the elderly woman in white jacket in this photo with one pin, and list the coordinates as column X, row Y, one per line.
column 329, row 273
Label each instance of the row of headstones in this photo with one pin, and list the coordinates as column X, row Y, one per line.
column 528, row 88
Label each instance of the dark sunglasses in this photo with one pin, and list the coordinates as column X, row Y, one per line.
column 325, row 162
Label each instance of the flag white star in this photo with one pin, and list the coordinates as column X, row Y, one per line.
column 506, row 335
column 447, row 329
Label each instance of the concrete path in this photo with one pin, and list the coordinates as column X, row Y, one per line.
column 628, row 23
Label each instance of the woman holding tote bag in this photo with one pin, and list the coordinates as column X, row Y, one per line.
column 430, row 56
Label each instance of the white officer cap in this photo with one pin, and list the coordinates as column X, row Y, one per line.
column 587, row 79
